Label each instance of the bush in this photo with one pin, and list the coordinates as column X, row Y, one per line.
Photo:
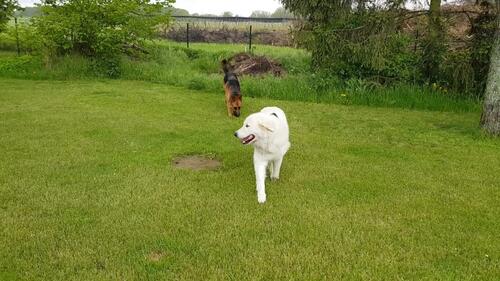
column 102, row 30
column 457, row 72
column 483, row 34
column 7, row 9
column 372, row 42
column 22, row 65
column 361, row 45
column 7, row 42
column 29, row 40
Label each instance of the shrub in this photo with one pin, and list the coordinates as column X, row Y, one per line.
column 101, row 29
column 7, row 9
column 7, row 42
column 371, row 41
column 483, row 34
column 360, row 44
column 457, row 72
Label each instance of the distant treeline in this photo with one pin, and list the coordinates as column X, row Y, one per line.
column 35, row 11
column 278, row 13
column 28, row 12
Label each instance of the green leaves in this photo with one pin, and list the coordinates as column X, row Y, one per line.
column 7, row 9
column 101, row 29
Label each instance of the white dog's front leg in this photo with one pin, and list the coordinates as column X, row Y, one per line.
column 260, row 179
column 275, row 172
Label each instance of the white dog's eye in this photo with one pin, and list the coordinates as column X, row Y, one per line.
column 247, row 125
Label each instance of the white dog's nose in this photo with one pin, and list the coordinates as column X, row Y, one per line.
column 236, row 134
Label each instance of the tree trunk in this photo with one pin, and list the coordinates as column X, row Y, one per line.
column 434, row 45
column 490, row 119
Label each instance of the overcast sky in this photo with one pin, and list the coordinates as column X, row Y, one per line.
column 216, row 7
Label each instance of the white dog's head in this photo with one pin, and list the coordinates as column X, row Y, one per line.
column 256, row 127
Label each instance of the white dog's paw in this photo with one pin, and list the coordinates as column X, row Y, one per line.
column 275, row 178
column 261, row 197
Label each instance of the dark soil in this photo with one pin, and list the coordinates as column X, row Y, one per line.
column 155, row 256
column 196, row 163
column 247, row 64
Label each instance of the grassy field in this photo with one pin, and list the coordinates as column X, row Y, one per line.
column 198, row 68
column 87, row 190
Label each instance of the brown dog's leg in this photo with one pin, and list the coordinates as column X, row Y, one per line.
column 228, row 103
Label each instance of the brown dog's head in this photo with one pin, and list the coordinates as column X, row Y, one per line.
column 232, row 88
column 235, row 103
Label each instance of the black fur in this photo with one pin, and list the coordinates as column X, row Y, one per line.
column 230, row 78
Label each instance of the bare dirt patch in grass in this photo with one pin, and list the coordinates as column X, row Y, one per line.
column 196, row 163
column 155, row 256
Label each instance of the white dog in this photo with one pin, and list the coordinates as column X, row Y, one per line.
column 267, row 131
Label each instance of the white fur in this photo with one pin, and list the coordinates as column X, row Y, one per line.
column 270, row 144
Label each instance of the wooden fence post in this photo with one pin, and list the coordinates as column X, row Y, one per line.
column 250, row 40
column 187, row 34
column 17, row 38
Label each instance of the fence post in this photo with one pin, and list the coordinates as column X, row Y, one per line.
column 187, row 34
column 17, row 38
column 250, row 40
column 415, row 43
column 415, row 51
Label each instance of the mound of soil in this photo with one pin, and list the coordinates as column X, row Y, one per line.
column 246, row 64
column 196, row 163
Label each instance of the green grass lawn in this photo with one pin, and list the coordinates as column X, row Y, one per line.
column 198, row 68
column 87, row 190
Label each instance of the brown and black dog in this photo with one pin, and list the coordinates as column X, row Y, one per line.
column 232, row 90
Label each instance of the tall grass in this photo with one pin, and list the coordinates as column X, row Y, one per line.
column 36, row 67
column 198, row 68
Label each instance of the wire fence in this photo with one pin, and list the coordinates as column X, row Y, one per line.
column 269, row 31
column 234, row 19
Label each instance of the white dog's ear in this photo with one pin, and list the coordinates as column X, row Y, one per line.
column 267, row 126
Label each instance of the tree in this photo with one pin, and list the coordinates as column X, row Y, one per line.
column 490, row 119
column 352, row 39
column 227, row 14
column 7, row 10
column 482, row 32
column 100, row 29
column 282, row 13
column 434, row 43
column 260, row 14
column 178, row 12
column 319, row 12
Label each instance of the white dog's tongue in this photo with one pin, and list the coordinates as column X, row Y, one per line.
column 247, row 139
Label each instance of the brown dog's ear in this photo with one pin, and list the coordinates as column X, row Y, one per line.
column 226, row 66
column 267, row 126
